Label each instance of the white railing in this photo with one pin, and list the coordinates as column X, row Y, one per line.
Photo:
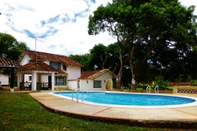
column 79, row 94
column 156, row 89
column 148, row 89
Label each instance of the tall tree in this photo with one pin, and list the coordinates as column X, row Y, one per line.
column 142, row 26
column 106, row 19
column 10, row 47
column 99, row 56
column 84, row 59
column 113, row 62
column 7, row 42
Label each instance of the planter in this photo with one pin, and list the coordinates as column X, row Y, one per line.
column 11, row 89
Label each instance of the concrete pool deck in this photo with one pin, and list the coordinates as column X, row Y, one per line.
column 179, row 117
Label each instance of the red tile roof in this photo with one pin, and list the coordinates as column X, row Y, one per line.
column 94, row 73
column 6, row 62
column 40, row 66
column 50, row 57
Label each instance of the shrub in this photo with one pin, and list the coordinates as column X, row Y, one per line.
column 161, row 83
column 141, row 86
column 194, row 82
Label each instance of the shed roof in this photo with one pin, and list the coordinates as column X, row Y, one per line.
column 94, row 74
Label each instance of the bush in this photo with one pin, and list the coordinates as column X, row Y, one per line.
column 161, row 83
column 194, row 82
column 141, row 86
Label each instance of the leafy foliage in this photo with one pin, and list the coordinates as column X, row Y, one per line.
column 159, row 33
column 83, row 59
column 10, row 47
column 161, row 83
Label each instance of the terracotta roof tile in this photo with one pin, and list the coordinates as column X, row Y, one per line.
column 39, row 66
column 94, row 73
column 6, row 62
column 51, row 57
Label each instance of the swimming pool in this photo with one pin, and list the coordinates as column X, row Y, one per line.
column 130, row 99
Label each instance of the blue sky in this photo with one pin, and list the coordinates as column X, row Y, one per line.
column 60, row 25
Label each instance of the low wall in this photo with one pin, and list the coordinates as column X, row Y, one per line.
column 152, row 91
column 176, row 89
column 185, row 89
column 144, row 91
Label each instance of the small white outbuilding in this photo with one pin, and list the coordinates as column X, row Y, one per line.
column 97, row 80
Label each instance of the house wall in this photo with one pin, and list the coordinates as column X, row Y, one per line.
column 4, row 79
column 25, row 60
column 72, row 84
column 47, row 62
column 73, row 72
column 44, row 78
column 26, row 77
column 88, row 85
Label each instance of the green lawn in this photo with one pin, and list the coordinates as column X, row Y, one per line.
column 20, row 112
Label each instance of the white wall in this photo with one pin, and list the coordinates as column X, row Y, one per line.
column 44, row 78
column 25, row 60
column 88, row 86
column 26, row 77
column 73, row 72
column 4, row 79
column 47, row 62
column 73, row 84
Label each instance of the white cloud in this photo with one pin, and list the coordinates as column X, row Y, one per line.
column 62, row 22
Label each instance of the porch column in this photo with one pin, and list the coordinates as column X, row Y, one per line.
column 12, row 78
column 18, row 80
column 34, row 81
column 52, row 80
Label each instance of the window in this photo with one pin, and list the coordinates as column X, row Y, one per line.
column 64, row 67
column 56, row 65
column 60, row 80
column 97, row 84
column 30, row 78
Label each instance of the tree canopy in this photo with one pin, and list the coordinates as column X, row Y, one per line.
column 146, row 30
column 10, row 47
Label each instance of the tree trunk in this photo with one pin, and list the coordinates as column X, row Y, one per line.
column 119, row 76
column 133, row 82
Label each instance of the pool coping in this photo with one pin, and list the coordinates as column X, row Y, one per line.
column 179, row 117
column 132, row 106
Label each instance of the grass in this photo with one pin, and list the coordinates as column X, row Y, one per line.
column 20, row 112
column 7, row 88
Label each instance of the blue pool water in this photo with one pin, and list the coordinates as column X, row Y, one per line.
column 128, row 99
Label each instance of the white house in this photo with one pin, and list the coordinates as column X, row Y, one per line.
column 4, row 79
column 41, row 70
column 97, row 80
column 47, row 71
